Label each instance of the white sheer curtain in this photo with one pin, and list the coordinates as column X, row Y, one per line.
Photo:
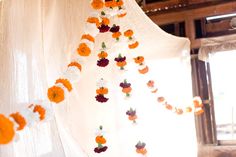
column 38, row 39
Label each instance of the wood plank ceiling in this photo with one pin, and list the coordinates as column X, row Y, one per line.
column 189, row 18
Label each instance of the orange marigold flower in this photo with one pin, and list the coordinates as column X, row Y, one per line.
column 134, row 45
column 6, row 130
column 129, row 33
column 102, row 54
column 111, row 4
column 83, row 50
column 41, row 111
column 122, row 15
column 139, row 59
column 105, row 21
column 94, row 20
column 19, row 119
column 56, row 94
column 119, row 3
column 75, row 64
column 66, row 83
column 88, row 37
column 97, row 4
column 116, row 35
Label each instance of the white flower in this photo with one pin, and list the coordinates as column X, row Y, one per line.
column 88, row 43
column 30, row 116
column 91, row 29
column 101, row 83
column 72, row 74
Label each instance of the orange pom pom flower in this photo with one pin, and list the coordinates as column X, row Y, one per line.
column 84, row 50
column 56, row 94
column 7, row 131
column 66, row 83
column 19, row 119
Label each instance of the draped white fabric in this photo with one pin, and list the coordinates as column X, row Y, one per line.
column 38, row 39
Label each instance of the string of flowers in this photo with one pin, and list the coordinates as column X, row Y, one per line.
column 126, row 88
column 143, row 68
column 10, row 125
column 101, row 91
column 103, row 61
column 100, row 140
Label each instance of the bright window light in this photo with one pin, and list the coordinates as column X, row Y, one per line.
column 220, row 16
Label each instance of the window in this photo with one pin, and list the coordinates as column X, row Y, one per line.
column 215, row 82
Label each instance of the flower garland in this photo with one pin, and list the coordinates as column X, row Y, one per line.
column 101, row 91
column 100, row 140
column 126, row 88
column 103, row 61
column 143, row 69
column 121, row 62
column 140, row 148
column 132, row 115
column 95, row 23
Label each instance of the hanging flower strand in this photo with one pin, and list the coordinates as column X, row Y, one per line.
column 140, row 148
column 126, row 88
column 100, row 140
column 143, row 69
column 103, row 61
column 121, row 61
column 151, row 86
column 132, row 115
column 101, row 91
column 115, row 32
column 132, row 42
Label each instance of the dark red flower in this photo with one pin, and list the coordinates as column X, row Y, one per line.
column 103, row 28
column 100, row 150
column 102, row 62
column 115, row 29
column 101, row 98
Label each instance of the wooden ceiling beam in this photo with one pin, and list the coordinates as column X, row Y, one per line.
column 196, row 13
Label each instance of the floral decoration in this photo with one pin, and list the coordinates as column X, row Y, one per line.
column 101, row 141
column 126, row 88
column 129, row 34
column 101, row 91
column 132, row 115
column 19, row 119
column 88, row 37
column 41, row 111
column 56, row 94
column 75, row 64
column 7, row 131
column 132, row 42
column 66, row 83
column 198, row 105
column 143, row 69
column 115, row 32
column 97, row 4
column 121, row 62
column 151, row 86
column 103, row 61
column 93, row 20
column 140, row 148
column 84, row 50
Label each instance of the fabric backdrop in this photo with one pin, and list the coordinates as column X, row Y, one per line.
column 38, row 40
